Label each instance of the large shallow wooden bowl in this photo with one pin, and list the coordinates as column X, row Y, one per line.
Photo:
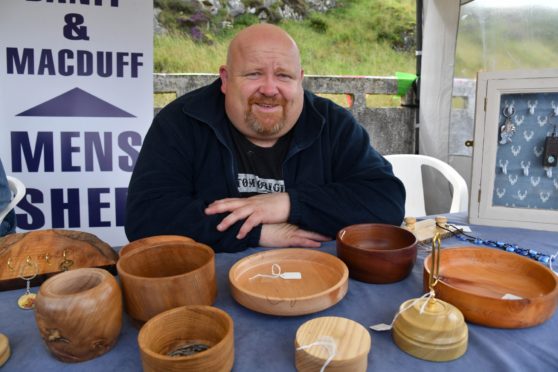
column 152, row 241
column 479, row 281
column 171, row 340
column 377, row 253
column 324, row 281
column 160, row 277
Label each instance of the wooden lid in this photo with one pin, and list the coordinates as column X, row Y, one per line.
column 352, row 345
column 4, row 349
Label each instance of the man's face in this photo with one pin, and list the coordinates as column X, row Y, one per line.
column 263, row 90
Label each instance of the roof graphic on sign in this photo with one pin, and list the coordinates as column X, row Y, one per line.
column 76, row 103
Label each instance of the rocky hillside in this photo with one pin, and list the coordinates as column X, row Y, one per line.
column 203, row 18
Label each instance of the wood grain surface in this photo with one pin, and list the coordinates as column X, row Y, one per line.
column 477, row 281
column 323, row 283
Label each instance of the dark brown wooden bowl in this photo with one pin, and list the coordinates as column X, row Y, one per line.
column 377, row 253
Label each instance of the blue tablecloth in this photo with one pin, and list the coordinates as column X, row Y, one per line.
column 266, row 343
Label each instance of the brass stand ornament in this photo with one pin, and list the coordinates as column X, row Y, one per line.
column 27, row 300
column 429, row 328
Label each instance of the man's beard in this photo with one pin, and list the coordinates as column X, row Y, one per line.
column 266, row 124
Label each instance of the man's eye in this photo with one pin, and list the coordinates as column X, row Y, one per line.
column 284, row 77
column 252, row 75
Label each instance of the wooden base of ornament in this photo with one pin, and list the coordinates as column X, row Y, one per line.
column 435, row 331
column 49, row 252
column 352, row 344
column 425, row 230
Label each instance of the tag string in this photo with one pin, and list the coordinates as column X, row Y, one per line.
column 386, row 327
column 327, row 343
column 276, row 273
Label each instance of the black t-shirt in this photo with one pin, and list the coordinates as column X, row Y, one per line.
column 260, row 169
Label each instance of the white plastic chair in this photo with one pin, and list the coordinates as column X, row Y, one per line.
column 18, row 190
column 408, row 168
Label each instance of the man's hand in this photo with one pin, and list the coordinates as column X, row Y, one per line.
column 287, row 235
column 258, row 209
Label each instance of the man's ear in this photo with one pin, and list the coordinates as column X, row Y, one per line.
column 224, row 74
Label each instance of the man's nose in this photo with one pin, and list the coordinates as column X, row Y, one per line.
column 269, row 86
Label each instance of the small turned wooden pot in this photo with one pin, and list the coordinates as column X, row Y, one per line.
column 160, row 277
column 377, row 253
column 351, row 340
column 79, row 313
column 186, row 328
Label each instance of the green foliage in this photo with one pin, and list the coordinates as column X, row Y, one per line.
column 343, row 41
column 491, row 39
column 394, row 22
column 317, row 23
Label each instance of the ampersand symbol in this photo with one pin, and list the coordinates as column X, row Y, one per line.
column 72, row 30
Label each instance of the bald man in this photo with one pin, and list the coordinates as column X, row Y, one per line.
column 255, row 160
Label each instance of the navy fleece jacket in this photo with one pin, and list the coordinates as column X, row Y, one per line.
column 333, row 176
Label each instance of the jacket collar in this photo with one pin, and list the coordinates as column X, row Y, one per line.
column 207, row 105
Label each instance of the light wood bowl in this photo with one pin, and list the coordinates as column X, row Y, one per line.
column 352, row 342
column 79, row 313
column 188, row 325
column 161, row 277
column 153, row 241
column 324, row 281
column 377, row 253
column 475, row 280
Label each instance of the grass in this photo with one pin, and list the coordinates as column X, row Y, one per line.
column 360, row 37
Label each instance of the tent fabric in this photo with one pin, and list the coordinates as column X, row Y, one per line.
column 440, row 23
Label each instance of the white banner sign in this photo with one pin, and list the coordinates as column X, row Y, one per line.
column 76, row 98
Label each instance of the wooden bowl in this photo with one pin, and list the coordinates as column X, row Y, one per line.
column 153, row 241
column 377, row 253
column 79, row 313
column 352, row 344
column 161, row 277
column 188, row 328
column 323, row 283
column 478, row 282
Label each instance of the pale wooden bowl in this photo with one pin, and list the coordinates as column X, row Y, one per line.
column 188, row 325
column 475, row 280
column 153, row 241
column 377, row 253
column 352, row 343
column 325, row 281
column 161, row 277
column 79, row 313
